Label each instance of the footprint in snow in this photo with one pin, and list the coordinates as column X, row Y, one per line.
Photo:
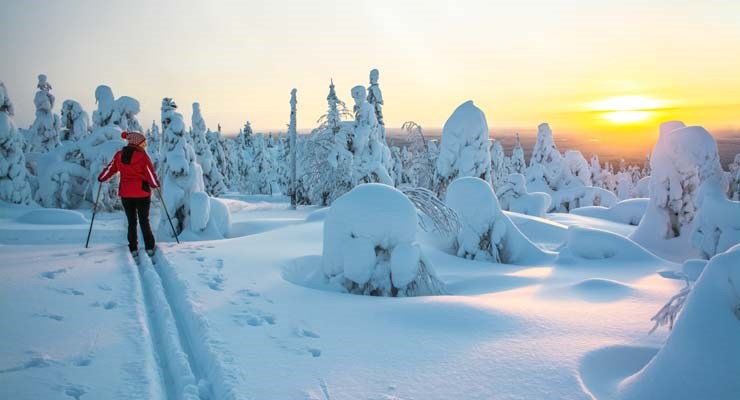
column 69, row 291
column 216, row 283
column 36, row 361
column 108, row 305
column 254, row 318
column 200, row 258
column 53, row 274
column 75, row 391
column 55, row 317
column 105, row 287
column 82, row 361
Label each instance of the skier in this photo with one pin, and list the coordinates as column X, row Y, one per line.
column 137, row 181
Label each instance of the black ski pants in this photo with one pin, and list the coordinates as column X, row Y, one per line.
column 138, row 206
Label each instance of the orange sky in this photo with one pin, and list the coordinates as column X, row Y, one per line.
column 522, row 62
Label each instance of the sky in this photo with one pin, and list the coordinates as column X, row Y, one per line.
column 611, row 70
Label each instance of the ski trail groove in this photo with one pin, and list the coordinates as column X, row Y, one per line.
column 193, row 362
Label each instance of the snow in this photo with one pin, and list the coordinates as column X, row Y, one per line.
column 52, row 216
column 245, row 314
column 628, row 211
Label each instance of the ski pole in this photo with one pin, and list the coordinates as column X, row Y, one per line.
column 164, row 206
column 95, row 208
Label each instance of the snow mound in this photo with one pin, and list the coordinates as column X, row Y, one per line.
column 318, row 215
column 567, row 199
column 53, row 216
column 701, row 357
column 598, row 290
column 512, row 193
column 596, row 244
column 487, row 234
column 601, row 370
column 628, row 211
column 370, row 245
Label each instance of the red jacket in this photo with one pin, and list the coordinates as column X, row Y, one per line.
column 137, row 172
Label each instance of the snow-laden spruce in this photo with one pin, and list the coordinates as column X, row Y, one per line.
column 518, row 165
column 43, row 135
column 75, row 121
column 513, row 196
column 716, row 225
column 682, row 160
column 184, row 193
column 734, row 191
column 464, row 150
column 212, row 178
column 546, row 162
column 14, row 186
column 487, row 234
column 701, row 357
column 154, row 144
column 499, row 169
column 371, row 155
column 370, row 245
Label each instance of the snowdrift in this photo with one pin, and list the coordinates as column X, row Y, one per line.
column 52, row 216
column 595, row 244
column 628, row 211
column 701, row 358
column 370, row 245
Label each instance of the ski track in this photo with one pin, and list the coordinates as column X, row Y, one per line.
column 192, row 363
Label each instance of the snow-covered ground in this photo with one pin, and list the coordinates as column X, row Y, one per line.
column 247, row 317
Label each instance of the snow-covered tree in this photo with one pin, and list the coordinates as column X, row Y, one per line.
column 75, row 121
column 486, row 233
column 14, row 186
column 498, row 164
column 464, row 150
column 154, row 144
column 716, row 226
column 44, row 132
column 682, row 160
column 734, row 190
column 518, row 165
column 217, row 146
column 125, row 110
column 576, row 171
column 370, row 152
column 375, row 98
column 420, row 168
column 212, row 178
column 182, row 181
column 597, row 174
column 370, row 245
column 261, row 170
column 546, row 163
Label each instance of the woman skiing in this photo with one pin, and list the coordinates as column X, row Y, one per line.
column 137, row 181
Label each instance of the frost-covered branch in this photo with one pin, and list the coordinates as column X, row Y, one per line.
column 668, row 313
column 444, row 218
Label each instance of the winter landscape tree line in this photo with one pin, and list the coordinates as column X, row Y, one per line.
column 54, row 162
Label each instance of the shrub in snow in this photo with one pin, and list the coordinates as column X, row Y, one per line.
column 513, row 196
column 682, row 159
column 596, row 244
column 14, row 186
column 701, row 357
column 486, row 233
column 75, row 121
column 44, row 132
column 212, row 178
column 716, row 226
column 370, row 245
column 464, row 149
column 419, row 168
column 183, row 190
column 370, row 152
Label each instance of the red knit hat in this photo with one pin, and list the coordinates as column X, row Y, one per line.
column 134, row 138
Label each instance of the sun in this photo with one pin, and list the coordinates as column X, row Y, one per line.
column 627, row 109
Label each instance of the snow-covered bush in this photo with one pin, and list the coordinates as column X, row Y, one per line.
column 567, row 199
column 212, row 178
column 370, row 245
column 75, row 121
column 44, row 132
column 464, row 150
column 734, row 191
column 577, row 169
column 682, row 159
column 701, row 357
column 513, row 196
column 486, row 233
column 371, row 155
column 14, row 187
column 419, row 169
column 182, row 181
column 716, row 226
